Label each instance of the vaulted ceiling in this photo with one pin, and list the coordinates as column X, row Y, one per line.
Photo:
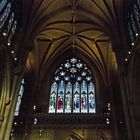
column 86, row 26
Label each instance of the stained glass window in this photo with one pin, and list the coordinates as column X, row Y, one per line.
column 72, row 89
column 19, row 98
column 8, row 20
column 53, row 98
column 134, row 21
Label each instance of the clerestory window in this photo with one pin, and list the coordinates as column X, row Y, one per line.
column 72, row 89
column 20, row 95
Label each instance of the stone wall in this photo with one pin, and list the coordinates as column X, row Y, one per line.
column 64, row 134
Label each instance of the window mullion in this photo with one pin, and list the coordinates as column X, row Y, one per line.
column 64, row 97
column 57, row 97
column 87, row 97
column 80, row 96
column 72, row 99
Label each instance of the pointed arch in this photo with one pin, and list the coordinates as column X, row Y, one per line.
column 72, row 88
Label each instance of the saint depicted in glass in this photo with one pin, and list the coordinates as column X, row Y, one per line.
column 68, row 98
column 60, row 99
column 76, row 98
column 72, row 89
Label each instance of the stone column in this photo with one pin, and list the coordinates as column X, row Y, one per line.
column 120, row 47
column 126, row 105
column 10, row 89
column 113, row 114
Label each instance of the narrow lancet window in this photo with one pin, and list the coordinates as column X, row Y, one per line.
column 19, row 98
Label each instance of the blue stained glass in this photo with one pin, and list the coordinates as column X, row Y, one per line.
column 133, row 24
column 76, row 87
column 91, row 87
column 76, row 98
column 73, row 60
column 79, row 78
column 73, row 90
column 83, row 86
column 5, row 14
column 66, row 78
column 134, row 21
column 54, row 87
column 88, row 78
column 76, row 103
column 130, row 32
column 61, row 86
column 19, row 98
column 69, row 87
column 84, row 108
column 68, row 98
column 62, row 73
column 67, row 65
column 2, row 4
column 14, row 27
column 91, row 102
column 137, row 14
column 91, row 94
column 73, row 70
column 10, row 22
column 9, row 27
column 57, row 78
column 84, row 73
column 79, row 65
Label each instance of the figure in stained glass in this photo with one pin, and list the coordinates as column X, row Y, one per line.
column 83, row 101
column 91, row 100
column 68, row 101
column 60, row 102
column 76, row 101
column 53, row 100
column 72, row 90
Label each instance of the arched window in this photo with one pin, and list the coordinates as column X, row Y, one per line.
column 19, row 98
column 72, row 89
column 8, row 20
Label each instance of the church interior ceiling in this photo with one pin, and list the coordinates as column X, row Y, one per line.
column 75, row 26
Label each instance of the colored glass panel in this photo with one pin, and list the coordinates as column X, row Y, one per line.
column 60, row 100
column 84, row 108
column 72, row 90
column 91, row 95
column 19, row 98
column 52, row 105
column 68, row 98
column 76, row 98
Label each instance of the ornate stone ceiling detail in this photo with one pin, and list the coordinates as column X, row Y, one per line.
column 87, row 26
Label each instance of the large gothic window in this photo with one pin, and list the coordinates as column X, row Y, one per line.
column 72, row 89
